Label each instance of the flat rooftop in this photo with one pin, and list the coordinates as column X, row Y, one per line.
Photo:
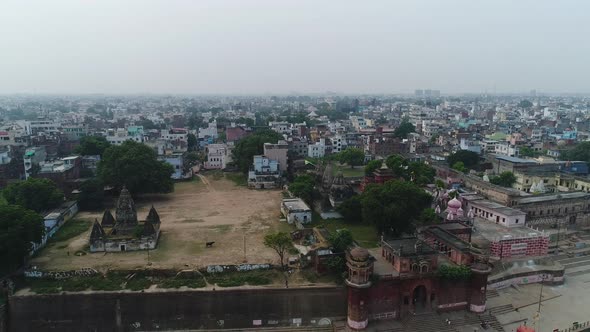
column 501, row 209
column 451, row 239
column 552, row 197
column 515, row 159
column 408, row 246
column 295, row 204
column 492, row 231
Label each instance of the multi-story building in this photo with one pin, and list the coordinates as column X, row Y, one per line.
column 33, row 156
column 264, row 173
column 217, row 156
column 278, row 152
column 317, row 150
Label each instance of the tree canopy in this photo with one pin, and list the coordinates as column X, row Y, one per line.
column 394, row 206
column 302, row 187
column 136, row 166
column 252, row 145
column 459, row 166
column 341, row 240
column 525, row 103
column 351, row 209
column 505, row 179
column 351, row 156
column 19, row 228
column 470, row 159
column 92, row 145
column 191, row 142
column 281, row 243
column 404, row 129
column 580, row 152
column 417, row 172
column 34, row 194
column 372, row 166
column 91, row 194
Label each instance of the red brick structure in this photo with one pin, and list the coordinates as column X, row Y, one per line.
column 519, row 246
column 379, row 176
column 405, row 281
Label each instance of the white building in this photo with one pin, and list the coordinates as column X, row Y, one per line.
column 317, row 150
column 338, row 143
column 296, row 211
column 210, row 131
column 494, row 212
column 470, row 145
column 278, row 152
column 264, row 174
column 177, row 162
column 217, row 156
column 507, row 149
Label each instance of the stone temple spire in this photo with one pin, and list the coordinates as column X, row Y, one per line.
column 153, row 216
column 126, row 213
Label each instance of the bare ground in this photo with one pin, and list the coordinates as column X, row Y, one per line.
column 197, row 212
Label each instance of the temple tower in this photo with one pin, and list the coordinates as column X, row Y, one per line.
column 360, row 268
column 126, row 213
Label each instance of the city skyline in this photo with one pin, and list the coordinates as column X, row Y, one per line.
column 304, row 47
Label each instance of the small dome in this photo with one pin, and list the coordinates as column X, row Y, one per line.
column 455, row 203
column 359, row 254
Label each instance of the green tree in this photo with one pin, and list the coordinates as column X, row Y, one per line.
column 136, row 166
column 34, row 194
column 397, row 164
column 19, row 229
column 525, row 151
column 281, row 243
column 394, row 206
column 505, row 179
column 420, row 173
column 372, row 166
column 341, row 240
column 352, row 157
column 404, row 129
column 470, row 159
column 91, row 195
column 351, row 209
column 252, row 145
column 428, row 217
column 92, row 145
column 302, row 187
column 191, row 142
column 459, row 166
column 525, row 104
column 580, row 152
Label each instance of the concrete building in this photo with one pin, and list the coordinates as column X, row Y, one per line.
column 264, row 173
column 278, row 152
column 217, row 156
column 469, row 145
column 317, row 150
column 296, row 211
column 176, row 160
column 33, row 156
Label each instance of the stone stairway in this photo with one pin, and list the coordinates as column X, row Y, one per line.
column 431, row 322
column 501, row 309
column 491, row 293
column 492, row 321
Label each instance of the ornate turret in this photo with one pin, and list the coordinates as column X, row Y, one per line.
column 126, row 213
column 339, row 190
column 107, row 219
column 360, row 268
column 153, row 216
column 97, row 232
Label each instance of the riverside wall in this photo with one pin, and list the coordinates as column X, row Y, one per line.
column 153, row 311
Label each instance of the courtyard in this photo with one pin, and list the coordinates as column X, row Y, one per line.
column 206, row 209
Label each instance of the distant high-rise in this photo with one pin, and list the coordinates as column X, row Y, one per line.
column 419, row 93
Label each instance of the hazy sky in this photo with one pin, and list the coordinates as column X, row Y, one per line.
column 279, row 46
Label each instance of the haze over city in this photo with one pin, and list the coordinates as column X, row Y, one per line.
column 258, row 47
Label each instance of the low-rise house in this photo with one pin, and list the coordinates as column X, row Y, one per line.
column 264, row 173
column 296, row 211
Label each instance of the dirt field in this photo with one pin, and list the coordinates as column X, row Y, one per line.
column 197, row 212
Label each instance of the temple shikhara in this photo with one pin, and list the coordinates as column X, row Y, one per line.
column 124, row 232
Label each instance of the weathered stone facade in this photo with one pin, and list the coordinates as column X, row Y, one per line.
column 125, row 232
